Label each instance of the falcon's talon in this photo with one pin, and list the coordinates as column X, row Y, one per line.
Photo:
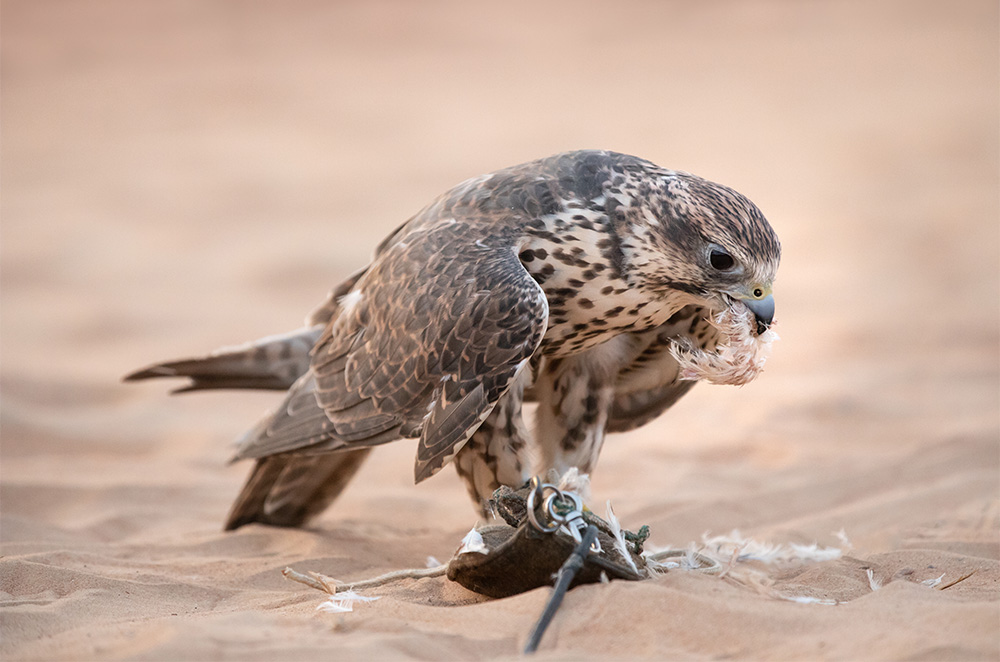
column 575, row 281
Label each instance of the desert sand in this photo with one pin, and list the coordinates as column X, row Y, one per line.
column 180, row 176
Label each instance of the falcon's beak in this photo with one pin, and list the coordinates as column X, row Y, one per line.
column 763, row 310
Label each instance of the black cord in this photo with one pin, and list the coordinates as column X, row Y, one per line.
column 564, row 578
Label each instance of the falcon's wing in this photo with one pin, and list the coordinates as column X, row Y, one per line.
column 650, row 383
column 328, row 309
column 423, row 346
column 288, row 490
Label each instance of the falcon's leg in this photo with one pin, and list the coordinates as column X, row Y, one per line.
column 574, row 398
column 496, row 454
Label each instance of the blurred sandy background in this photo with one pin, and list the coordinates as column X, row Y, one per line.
column 181, row 175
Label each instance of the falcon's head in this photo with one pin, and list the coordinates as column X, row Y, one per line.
column 697, row 242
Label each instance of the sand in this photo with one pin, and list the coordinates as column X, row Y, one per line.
column 180, row 176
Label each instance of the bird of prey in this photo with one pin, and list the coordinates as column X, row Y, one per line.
column 569, row 281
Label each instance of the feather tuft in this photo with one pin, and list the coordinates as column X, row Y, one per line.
column 934, row 581
column 737, row 362
column 619, row 536
column 574, row 481
column 874, row 582
column 343, row 602
column 473, row 543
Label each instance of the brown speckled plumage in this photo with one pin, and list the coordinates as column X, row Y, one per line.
column 562, row 281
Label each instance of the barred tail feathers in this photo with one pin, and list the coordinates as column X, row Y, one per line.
column 272, row 363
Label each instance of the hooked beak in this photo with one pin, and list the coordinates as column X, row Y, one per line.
column 763, row 310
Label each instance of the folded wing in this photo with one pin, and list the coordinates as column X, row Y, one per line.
column 424, row 345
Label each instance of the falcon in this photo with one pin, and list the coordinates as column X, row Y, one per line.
column 575, row 281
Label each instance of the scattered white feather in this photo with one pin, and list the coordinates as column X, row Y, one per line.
column 845, row 542
column 343, row 602
column 726, row 547
column 690, row 560
column 814, row 552
column 736, row 362
column 473, row 543
column 875, row 583
column 806, row 599
column 933, row 582
column 574, row 481
column 659, row 560
column 655, row 567
column 619, row 536
column 655, row 559
column 432, row 562
column 727, row 555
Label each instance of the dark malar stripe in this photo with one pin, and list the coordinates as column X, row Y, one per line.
column 681, row 286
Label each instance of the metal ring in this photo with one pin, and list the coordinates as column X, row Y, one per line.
column 559, row 495
column 537, row 489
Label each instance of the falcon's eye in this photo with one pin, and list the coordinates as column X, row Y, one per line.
column 721, row 260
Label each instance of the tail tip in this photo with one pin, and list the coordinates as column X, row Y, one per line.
column 150, row 373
